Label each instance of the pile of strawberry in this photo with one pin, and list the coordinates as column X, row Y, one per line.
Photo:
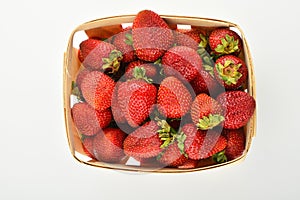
column 161, row 96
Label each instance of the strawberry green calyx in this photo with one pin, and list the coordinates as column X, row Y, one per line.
column 201, row 51
column 166, row 133
column 181, row 137
column 76, row 92
column 208, row 62
column 113, row 62
column 140, row 73
column 229, row 72
column 220, row 157
column 209, row 69
column 158, row 62
column 128, row 39
column 169, row 135
column 203, row 42
column 228, row 45
column 210, row 122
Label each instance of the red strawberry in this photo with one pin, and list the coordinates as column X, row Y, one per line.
column 80, row 77
column 238, row 108
column 87, row 145
column 205, row 83
column 184, row 60
column 151, row 36
column 76, row 86
column 85, row 47
column 150, row 69
column 96, row 54
column 173, row 98
column 123, row 42
column 206, row 112
column 97, row 89
column 230, row 71
column 235, row 143
column 108, row 145
column 225, row 41
column 202, row 144
column 88, row 120
column 190, row 38
column 134, row 64
column 187, row 38
column 172, row 156
column 117, row 113
column 136, row 97
column 144, row 142
column 189, row 164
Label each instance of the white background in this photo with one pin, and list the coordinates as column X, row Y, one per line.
column 35, row 159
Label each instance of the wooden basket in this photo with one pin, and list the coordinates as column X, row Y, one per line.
column 106, row 27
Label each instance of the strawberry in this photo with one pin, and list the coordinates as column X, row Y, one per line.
column 190, row 38
column 87, row 144
column 230, row 71
column 136, row 97
column 235, row 143
column 189, row 164
column 85, row 48
column 187, row 38
column 150, row 69
column 99, row 55
column 151, row 36
column 238, row 108
column 182, row 59
column 202, row 144
column 173, row 98
column 80, row 77
column 173, row 146
column 108, row 145
column 134, row 64
column 205, row 83
column 117, row 113
column 97, row 89
column 88, row 120
column 123, row 42
column 225, row 41
column 76, row 86
column 172, row 156
column 235, row 146
column 144, row 142
column 206, row 112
